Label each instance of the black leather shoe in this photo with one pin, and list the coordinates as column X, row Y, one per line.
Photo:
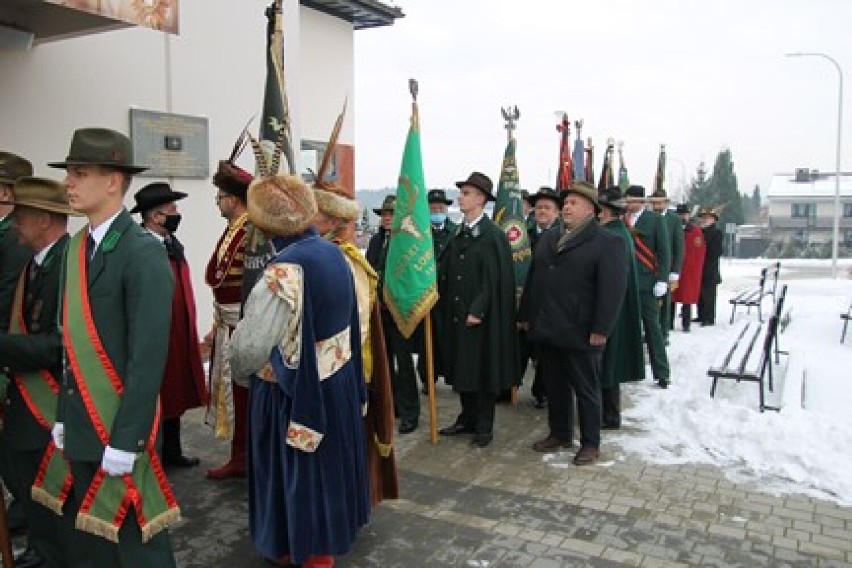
column 29, row 559
column 181, row 461
column 663, row 384
column 481, row 440
column 696, row 320
column 455, row 430
column 610, row 425
column 407, row 426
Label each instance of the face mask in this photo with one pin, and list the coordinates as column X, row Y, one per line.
column 171, row 223
column 438, row 218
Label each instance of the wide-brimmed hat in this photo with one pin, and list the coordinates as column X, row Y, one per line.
column 682, row 209
column 481, row 182
column 41, row 193
column 585, row 189
column 282, row 205
column 635, row 193
column 387, row 204
column 153, row 195
column 438, row 196
column 100, row 147
column 13, row 167
column 709, row 212
column 659, row 195
column 546, row 193
column 612, row 198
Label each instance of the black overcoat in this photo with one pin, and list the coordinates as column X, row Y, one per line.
column 576, row 291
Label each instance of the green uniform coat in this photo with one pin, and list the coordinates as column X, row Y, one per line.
column 674, row 227
column 623, row 357
column 651, row 227
column 476, row 277
column 130, row 295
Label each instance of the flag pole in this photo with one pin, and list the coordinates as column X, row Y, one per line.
column 430, row 378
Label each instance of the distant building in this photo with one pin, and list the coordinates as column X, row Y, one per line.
column 801, row 207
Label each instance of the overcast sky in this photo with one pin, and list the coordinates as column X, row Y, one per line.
column 697, row 75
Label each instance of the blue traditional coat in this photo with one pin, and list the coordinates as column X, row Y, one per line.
column 308, row 480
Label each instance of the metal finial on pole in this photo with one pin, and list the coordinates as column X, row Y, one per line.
column 413, row 88
column 578, row 124
column 511, row 116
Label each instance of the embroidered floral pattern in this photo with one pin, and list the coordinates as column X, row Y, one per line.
column 333, row 353
column 303, row 438
column 285, row 281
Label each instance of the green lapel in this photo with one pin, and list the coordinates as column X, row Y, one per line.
column 107, row 245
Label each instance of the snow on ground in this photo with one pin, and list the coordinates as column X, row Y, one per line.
column 804, row 448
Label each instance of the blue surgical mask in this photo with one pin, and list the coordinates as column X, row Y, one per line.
column 438, row 218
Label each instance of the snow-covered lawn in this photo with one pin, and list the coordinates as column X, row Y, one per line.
column 804, row 448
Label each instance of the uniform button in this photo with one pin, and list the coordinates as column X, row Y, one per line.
column 458, row 277
column 71, row 392
column 461, row 256
column 140, row 443
column 456, row 298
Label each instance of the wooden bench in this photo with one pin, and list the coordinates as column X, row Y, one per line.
column 749, row 357
column 845, row 317
column 753, row 297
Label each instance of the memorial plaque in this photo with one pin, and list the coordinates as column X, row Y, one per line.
column 171, row 145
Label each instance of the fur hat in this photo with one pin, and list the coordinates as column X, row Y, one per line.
column 281, row 205
column 332, row 197
column 231, row 178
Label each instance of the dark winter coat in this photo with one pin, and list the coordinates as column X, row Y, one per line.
column 476, row 277
column 715, row 242
column 574, row 292
column 623, row 357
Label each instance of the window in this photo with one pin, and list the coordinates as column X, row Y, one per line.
column 847, row 237
column 803, row 210
column 312, row 153
column 847, row 209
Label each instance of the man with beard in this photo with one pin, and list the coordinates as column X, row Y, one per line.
column 574, row 293
column 183, row 385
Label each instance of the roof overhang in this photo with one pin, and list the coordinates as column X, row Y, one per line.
column 44, row 22
column 361, row 14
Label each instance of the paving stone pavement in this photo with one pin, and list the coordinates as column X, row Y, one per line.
column 506, row 505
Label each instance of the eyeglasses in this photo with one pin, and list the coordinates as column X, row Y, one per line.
column 220, row 196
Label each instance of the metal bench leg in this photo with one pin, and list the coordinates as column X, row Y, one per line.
column 733, row 312
column 843, row 335
column 713, row 388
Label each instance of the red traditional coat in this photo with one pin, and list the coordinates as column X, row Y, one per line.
column 224, row 272
column 183, row 384
column 693, row 261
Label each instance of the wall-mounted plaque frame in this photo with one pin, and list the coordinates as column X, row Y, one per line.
column 171, row 145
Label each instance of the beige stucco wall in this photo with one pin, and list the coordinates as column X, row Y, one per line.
column 214, row 68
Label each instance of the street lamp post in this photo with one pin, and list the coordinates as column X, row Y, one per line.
column 836, row 229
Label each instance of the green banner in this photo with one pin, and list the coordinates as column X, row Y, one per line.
column 410, row 286
column 509, row 214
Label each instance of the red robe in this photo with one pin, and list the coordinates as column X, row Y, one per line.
column 694, row 248
column 183, row 384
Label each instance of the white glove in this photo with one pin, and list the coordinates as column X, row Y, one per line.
column 674, row 277
column 660, row 289
column 58, row 435
column 117, row 462
column 364, row 407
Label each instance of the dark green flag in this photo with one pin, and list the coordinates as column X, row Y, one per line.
column 509, row 214
column 410, row 287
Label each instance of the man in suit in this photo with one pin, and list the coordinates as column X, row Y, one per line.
column 546, row 205
column 652, row 249
column 573, row 296
column 31, row 352
column 399, row 349
column 116, row 308
column 183, row 385
column 13, row 257
column 477, row 282
column 660, row 203
column 711, row 276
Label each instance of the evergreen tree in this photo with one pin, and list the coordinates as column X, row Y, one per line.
column 724, row 184
column 697, row 187
column 755, row 200
column 748, row 209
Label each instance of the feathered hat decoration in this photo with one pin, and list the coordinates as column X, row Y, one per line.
column 333, row 198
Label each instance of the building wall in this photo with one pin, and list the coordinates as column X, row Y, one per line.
column 214, row 68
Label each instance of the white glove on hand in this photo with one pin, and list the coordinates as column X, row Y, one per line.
column 660, row 289
column 58, row 435
column 674, row 277
column 364, row 407
column 117, row 462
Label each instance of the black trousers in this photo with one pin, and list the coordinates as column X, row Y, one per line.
column 529, row 352
column 406, row 397
column 611, row 403
column 685, row 316
column 707, row 303
column 568, row 371
column 172, row 448
column 478, row 411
